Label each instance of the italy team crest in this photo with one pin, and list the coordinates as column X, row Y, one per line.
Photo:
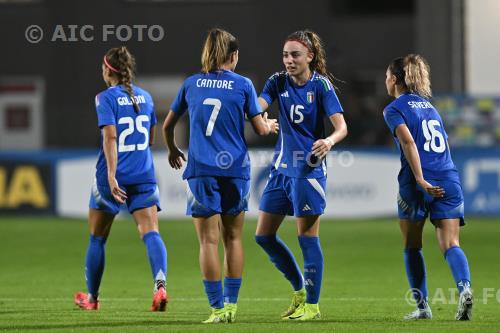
column 310, row 97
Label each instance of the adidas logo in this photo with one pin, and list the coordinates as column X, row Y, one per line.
column 309, row 282
column 285, row 94
column 306, row 208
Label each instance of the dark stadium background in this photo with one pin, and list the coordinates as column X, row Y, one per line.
column 49, row 141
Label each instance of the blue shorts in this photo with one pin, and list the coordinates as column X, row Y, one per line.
column 207, row 196
column 138, row 196
column 415, row 204
column 285, row 195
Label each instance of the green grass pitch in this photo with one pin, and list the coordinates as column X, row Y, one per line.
column 364, row 285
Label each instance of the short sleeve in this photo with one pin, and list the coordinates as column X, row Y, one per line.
column 252, row 106
column 179, row 105
column 269, row 93
column 393, row 118
column 104, row 109
column 329, row 99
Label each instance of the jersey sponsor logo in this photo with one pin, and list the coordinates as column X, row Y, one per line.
column 285, row 94
column 420, row 105
column 124, row 100
column 219, row 84
column 310, row 97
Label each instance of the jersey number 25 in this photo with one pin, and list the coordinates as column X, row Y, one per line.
column 122, row 147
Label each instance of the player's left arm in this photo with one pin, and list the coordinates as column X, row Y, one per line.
column 410, row 151
column 322, row 146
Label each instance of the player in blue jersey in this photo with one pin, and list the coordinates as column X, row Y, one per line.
column 297, row 180
column 125, row 174
column 428, row 181
column 218, row 167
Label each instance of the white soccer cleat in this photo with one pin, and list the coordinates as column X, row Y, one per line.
column 424, row 313
column 465, row 301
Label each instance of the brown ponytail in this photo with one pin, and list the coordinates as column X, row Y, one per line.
column 123, row 63
column 412, row 72
column 217, row 49
column 314, row 44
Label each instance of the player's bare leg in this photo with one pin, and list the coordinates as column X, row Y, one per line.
column 100, row 222
column 447, row 233
column 146, row 220
column 208, row 232
column 232, row 228
column 268, row 224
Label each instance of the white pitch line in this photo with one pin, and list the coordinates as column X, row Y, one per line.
column 202, row 299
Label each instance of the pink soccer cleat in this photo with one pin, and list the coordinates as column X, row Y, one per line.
column 160, row 300
column 82, row 301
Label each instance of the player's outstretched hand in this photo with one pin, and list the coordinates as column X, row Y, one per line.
column 175, row 158
column 435, row 191
column 119, row 194
column 272, row 123
column 321, row 147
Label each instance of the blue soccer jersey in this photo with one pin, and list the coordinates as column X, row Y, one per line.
column 217, row 103
column 302, row 111
column 135, row 162
column 427, row 130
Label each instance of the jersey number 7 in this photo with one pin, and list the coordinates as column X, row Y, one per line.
column 216, row 103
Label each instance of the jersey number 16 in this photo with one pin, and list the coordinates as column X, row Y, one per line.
column 434, row 139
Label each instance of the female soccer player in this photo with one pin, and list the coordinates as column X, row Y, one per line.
column 218, row 168
column 296, row 185
column 428, row 181
column 125, row 174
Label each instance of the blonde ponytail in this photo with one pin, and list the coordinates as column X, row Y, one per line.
column 417, row 75
column 217, row 49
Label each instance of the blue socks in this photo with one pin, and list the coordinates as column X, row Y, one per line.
column 459, row 267
column 415, row 271
column 213, row 289
column 94, row 264
column 157, row 254
column 216, row 298
column 94, row 261
column 282, row 258
column 313, row 267
column 231, row 289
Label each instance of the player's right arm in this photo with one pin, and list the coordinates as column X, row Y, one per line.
column 175, row 155
column 410, row 151
column 177, row 109
column 111, row 154
column 107, row 123
column 256, row 108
